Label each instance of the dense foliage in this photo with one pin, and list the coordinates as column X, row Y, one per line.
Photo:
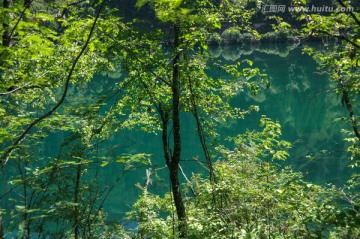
column 55, row 119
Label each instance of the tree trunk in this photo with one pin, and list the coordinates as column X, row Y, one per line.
column 76, row 225
column 27, row 3
column 1, row 227
column 6, row 37
column 345, row 99
column 175, row 160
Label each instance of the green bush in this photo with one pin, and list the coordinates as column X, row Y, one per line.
column 250, row 199
column 214, row 39
column 248, row 38
column 276, row 37
column 231, row 36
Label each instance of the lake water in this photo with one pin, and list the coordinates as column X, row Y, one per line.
column 305, row 104
column 301, row 99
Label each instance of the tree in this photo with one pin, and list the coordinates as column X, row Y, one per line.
column 166, row 81
column 340, row 60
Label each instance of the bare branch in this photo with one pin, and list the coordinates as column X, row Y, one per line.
column 187, row 180
column 148, row 178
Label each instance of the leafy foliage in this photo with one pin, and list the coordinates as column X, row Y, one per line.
column 46, row 193
column 250, row 198
column 51, row 187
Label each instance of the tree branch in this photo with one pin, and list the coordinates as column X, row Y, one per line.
column 351, row 13
column 4, row 157
column 188, row 181
column 346, row 100
column 1, row 228
column 27, row 6
column 201, row 132
column 340, row 37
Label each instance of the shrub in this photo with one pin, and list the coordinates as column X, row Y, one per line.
column 251, row 197
column 278, row 36
column 214, row 39
column 231, row 36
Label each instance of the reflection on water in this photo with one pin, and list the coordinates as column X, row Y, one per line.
column 304, row 102
column 235, row 52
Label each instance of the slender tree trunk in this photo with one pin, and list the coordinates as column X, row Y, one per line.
column 26, row 215
column 175, row 160
column 345, row 99
column 27, row 3
column 201, row 132
column 164, row 115
column 6, row 38
column 1, row 227
column 76, row 201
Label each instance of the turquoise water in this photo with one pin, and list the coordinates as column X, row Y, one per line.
column 301, row 99
column 305, row 104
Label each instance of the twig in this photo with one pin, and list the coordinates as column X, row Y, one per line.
column 187, row 180
column 148, row 178
column 345, row 99
column 1, row 228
